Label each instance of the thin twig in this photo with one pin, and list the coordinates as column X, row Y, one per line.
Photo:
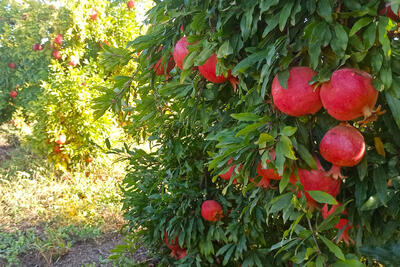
column 313, row 235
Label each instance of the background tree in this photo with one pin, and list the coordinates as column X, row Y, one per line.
column 201, row 126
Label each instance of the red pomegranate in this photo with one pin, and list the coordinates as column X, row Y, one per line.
column 349, row 94
column 61, row 139
column 388, row 11
column 180, row 52
column 268, row 173
column 343, row 145
column 93, row 14
column 59, row 39
column 37, row 47
column 263, row 183
column 56, row 54
column 160, row 68
column 299, row 98
column 211, row 211
column 12, row 65
column 227, row 176
column 317, row 180
column 13, row 94
column 56, row 149
column 340, row 225
column 131, row 4
column 208, row 71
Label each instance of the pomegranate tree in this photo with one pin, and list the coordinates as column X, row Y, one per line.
column 349, row 94
column 300, row 98
column 343, row 145
column 211, row 211
column 180, row 52
column 208, row 71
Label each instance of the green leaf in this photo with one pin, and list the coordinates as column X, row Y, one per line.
column 348, row 263
column 371, row 204
column 288, row 131
column 306, row 156
column 361, row 23
column 322, row 197
column 324, row 9
column 362, row 168
column 283, row 77
column 249, row 128
column 245, row 116
column 380, row 183
column 340, row 41
column 225, row 50
column 285, row 180
column 265, row 138
column 333, row 248
column 394, row 105
column 284, row 14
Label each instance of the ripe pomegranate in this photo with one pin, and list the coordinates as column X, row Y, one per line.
column 340, row 225
column 180, row 52
column 61, row 139
column 227, row 176
column 13, row 94
column 12, row 65
column 59, row 39
column 131, row 4
column 388, row 11
column 317, row 180
column 343, row 145
column 93, row 14
column 211, row 211
column 159, row 68
column 263, row 183
column 349, row 94
column 208, row 71
column 299, row 98
column 56, row 54
column 268, row 173
column 88, row 160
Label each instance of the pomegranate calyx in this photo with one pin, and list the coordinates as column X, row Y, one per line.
column 335, row 173
column 234, row 82
column 371, row 115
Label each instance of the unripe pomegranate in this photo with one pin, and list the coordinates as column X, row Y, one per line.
column 227, row 176
column 208, row 71
column 343, row 145
column 131, row 4
column 160, row 68
column 59, row 39
column 12, row 65
column 180, row 52
column 317, row 180
column 13, row 94
column 93, row 14
column 211, row 211
column 340, row 225
column 349, row 94
column 388, row 11
column 61, row 139
column 299, row 98
column 56, row 54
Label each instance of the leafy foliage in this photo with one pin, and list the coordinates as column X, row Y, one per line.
column 195, row 127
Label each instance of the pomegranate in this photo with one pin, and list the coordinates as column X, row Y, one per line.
column 131, row 4
column 211, row 211
column 88, row 160
column 180, row 52
column 160, row 69
column 13, row 94
column 388, row 11
column 263, row 183
column 208, row 71
column 59, row 39
column 317, row 180
column 268, row 173
column 56, row 54
column 12, row 65
column 343, row 145
column 349, row 94
column 299, row 98
column 181, row 28
column 227, row 176
column 61, row 139
column 56, row 149
column 93, row 14
column 340, row 225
